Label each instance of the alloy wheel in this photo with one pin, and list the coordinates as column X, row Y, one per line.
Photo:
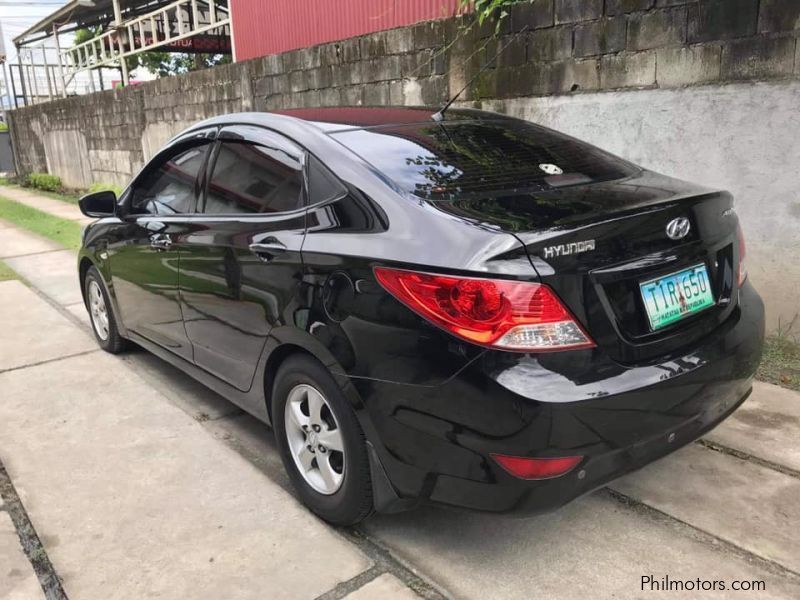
column 315, row 440
column 98, row 310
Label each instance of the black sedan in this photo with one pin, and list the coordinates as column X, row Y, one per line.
column 469, row 310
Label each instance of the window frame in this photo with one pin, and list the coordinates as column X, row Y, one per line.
column 204, row 137
column 257, row 136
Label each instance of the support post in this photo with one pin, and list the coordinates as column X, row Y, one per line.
column 8, row 88
column 13, row 87
column 60, row 62
column 118, row 24
column 46, row 68
column 33, row 82
column 21, row 71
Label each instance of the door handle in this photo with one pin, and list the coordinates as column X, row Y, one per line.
column 161, row 241
column 268, row 249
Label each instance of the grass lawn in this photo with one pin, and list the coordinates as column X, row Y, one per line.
column 64, row 232
column 5, row 272
column 71, row 198
column 781, row 362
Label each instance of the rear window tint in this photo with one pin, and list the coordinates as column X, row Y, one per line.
column 463, row 159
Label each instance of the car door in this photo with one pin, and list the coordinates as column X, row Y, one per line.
column 145, row 258
column 241, row 265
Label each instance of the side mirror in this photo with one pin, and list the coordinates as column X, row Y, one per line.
column 99, row 204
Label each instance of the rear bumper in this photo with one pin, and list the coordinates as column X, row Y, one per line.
column 434, row 442
column 512, row 495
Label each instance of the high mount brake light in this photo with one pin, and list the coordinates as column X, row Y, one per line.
column 503, row 314
column 742, row 254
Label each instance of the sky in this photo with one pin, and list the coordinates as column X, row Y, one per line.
column 17, row 15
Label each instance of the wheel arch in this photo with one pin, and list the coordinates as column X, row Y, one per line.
column 274, row 362
column 83, row 268
column 277, row 351
column 385, row 497
column 86, row 262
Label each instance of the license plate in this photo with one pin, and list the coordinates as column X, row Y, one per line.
column 676, row 296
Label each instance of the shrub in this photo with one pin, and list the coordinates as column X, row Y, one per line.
column 103, row 187
column 44, row 181
column 3, row 126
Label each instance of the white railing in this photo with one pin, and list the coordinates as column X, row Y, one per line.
column 142, row 33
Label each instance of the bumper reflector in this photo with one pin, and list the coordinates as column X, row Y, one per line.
column 537, row 468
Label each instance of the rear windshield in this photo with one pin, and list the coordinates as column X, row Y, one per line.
column 465, row 159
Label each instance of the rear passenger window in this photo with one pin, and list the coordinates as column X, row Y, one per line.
column 250, row 178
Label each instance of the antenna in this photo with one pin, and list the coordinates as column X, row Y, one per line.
column 439, row 115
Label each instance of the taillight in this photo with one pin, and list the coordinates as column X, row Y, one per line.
column 510, row 315
column 742, row 254
column 537, row 468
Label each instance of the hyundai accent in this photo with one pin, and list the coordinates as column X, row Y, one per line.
column 458, row 308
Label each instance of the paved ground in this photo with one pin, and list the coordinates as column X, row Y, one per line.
column 65, row 210
column 17, row 579
column 161, row 487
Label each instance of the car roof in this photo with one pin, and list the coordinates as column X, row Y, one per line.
column 332, row 119
column 327, row 120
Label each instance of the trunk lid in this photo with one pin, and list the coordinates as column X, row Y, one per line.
column 594, row 245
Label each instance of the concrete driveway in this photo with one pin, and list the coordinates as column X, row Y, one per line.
column 124, row 478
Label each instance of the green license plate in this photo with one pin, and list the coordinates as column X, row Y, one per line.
column 676, row 296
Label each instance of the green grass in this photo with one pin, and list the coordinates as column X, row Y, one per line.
column 5, row 272
column 45, row 182
column 62, row 231
column 781, row 362
column 71, row 197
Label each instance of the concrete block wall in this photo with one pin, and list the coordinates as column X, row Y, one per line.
column 594, row 60
column 118, row 129
column 547, row 47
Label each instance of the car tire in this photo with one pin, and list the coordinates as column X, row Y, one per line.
column 101, row 316
column 335, row 484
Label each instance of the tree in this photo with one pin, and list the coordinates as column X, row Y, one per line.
column 174, row 63
column 496, row 10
